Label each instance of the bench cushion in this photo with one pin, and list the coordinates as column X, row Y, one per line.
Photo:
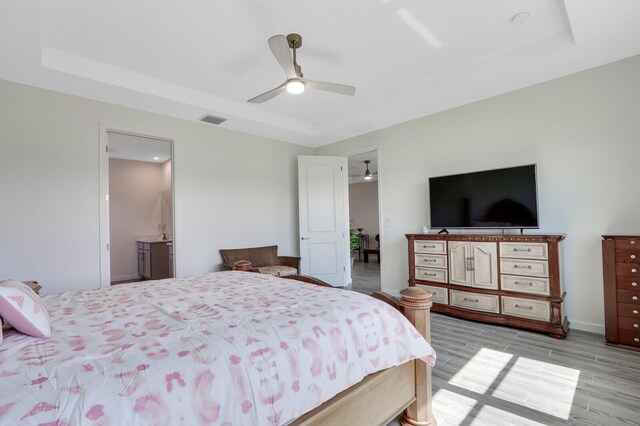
column 277, row 270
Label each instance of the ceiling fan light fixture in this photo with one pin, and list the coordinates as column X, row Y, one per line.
column 367, row 173
column 295, row 87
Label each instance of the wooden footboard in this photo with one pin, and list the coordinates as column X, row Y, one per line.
column 380, row 397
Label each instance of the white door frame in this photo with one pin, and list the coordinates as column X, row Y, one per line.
column 363, row 150
column 105, row 254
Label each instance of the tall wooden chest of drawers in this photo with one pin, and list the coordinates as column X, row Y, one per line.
column 621, row 267
column 512, row 280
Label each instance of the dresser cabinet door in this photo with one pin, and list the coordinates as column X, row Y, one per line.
column 459, row 263
column 485, row 265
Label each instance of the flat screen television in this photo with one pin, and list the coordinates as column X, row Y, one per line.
column 501, row 198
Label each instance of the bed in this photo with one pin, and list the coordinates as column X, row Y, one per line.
column 232, row 348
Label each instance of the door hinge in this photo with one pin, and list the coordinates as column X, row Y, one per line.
column 344, row 268
column 340, row 168
column 107, row 148
column 108, row 247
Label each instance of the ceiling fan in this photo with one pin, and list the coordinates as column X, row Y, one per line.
column 295, row 82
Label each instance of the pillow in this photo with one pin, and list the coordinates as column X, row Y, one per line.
column 23, row 309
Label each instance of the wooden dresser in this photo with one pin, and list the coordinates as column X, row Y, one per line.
column 502, row 279
column 621, row 267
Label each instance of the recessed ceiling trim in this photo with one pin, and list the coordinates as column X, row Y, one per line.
column 79, row 66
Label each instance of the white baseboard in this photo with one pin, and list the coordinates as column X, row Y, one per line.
column 590, row 327
column 124, row 278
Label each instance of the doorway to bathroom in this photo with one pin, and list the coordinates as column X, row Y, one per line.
column 139, row 208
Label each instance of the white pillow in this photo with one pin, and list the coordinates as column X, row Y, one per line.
column 23, row 309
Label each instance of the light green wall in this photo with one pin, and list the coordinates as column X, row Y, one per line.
column 583, row 131
column 231, row 188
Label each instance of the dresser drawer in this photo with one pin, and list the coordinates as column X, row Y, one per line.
column 629, row 310
column 431, row 260
column 628, row 256
column 428, row 246
column 475, row 301
column 525, row 284
column 629, row 244
column 631, row 297
column 628, row 283
column 534, row 268
column 526, row 308
column 428, row 274
column 439, row 294
column 524, row 250
column 628, row 337
column 625, row 323
column 627, row 269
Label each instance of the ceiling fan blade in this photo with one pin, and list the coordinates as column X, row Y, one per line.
column 268, row 95
column 341, row 89
column 280, row 49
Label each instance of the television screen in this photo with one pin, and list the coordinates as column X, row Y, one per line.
column 502, row 198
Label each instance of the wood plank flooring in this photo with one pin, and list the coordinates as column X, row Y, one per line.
column 498, row 376
column 365, row 276
column 493, row 375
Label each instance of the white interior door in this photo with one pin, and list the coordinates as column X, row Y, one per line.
column 323, row 206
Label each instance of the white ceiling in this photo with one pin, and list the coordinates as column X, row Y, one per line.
column 407, row 58
column 131, row 147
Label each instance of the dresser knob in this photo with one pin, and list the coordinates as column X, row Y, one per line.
column 634, row 284
column 636, row 340
column 635, row 297
column 634, row 270
column 636, row 325
column 632, row 242
column 633, row 256
column 635, row 312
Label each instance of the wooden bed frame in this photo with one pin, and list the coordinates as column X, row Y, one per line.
column 380, row 397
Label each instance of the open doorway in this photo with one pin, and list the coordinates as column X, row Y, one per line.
column 364, row 222
column 140, row 208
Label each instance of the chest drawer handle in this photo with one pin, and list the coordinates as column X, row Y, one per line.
column 430, row 274
column 636, row 340
column 636, row 325
column 516, row 249
column 523, row 267
column 633, row 256
column 634, row 284
column 635, row 312
column 428, row 260
column 426, row 246
column 466, row 299
column 632, row 242
column 530, row 284
column 523, row 306
column 635, row 297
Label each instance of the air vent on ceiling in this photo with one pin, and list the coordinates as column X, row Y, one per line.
column 213, row 119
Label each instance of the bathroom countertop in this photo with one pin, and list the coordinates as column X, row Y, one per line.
column 153, row 239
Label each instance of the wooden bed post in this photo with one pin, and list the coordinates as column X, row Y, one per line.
column 417, row 304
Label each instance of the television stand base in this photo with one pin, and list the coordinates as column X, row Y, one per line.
column 443, row 231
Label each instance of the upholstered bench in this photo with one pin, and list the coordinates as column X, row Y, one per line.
column 264, row 260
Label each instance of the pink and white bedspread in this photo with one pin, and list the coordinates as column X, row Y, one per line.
column 228, row 348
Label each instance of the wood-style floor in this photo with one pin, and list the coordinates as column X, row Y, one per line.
column 365, row 277
column 492, row 375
